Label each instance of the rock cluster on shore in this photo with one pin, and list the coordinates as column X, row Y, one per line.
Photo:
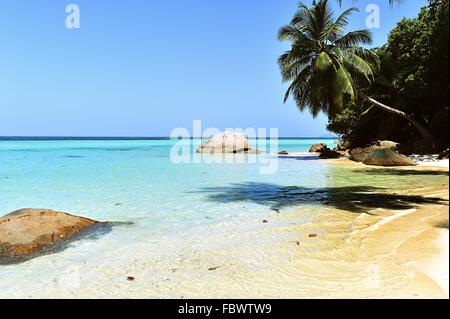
column 29, row 231
column 383, row 153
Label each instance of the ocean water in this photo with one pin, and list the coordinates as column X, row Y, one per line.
column 131, row 180
column 171, row 212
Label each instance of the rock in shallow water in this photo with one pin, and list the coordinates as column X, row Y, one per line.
column 387, row 157
column 226, row 142
column 29, row 231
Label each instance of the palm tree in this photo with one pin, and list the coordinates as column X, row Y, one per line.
column 326, row 67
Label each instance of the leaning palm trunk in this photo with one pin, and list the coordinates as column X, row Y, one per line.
column 422, row 129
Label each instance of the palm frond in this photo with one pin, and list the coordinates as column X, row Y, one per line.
column 354, row 38
column 340, row 24
column 343, row 88
column 359, row 65
column 323, row 62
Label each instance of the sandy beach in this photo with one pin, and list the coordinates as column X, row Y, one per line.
column 413, row 243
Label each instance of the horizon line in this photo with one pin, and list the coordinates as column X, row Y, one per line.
column 68, row 137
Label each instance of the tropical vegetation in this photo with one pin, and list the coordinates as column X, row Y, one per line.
column 398, row 91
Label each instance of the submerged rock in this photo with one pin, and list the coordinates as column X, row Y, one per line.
column 29, row 231
column 226, row 142
column 387, row 157
column 317, row 147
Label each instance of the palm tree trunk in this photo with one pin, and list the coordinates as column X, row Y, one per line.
column 425, row 132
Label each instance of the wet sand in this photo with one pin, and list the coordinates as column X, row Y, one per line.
column 410, row 247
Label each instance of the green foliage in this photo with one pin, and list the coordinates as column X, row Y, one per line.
column 412, row 76
column 420, row 47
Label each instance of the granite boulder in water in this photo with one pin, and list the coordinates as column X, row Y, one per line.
column 226, row 142
column 29, row 231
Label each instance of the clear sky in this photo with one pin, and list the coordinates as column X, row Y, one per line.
column 144, row 67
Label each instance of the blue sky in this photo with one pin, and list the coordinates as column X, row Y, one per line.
column 144, row 67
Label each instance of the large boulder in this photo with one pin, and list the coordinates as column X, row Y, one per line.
column 387, row 157
column 360, row 154
column 316, row 148
column 29, row 231
column 226, row 142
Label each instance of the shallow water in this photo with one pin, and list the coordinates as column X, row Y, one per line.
column 189, row 216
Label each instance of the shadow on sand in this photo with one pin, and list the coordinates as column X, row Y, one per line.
column 355, row 199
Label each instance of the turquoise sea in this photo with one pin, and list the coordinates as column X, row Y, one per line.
column 173, row 212
column 132, row 180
